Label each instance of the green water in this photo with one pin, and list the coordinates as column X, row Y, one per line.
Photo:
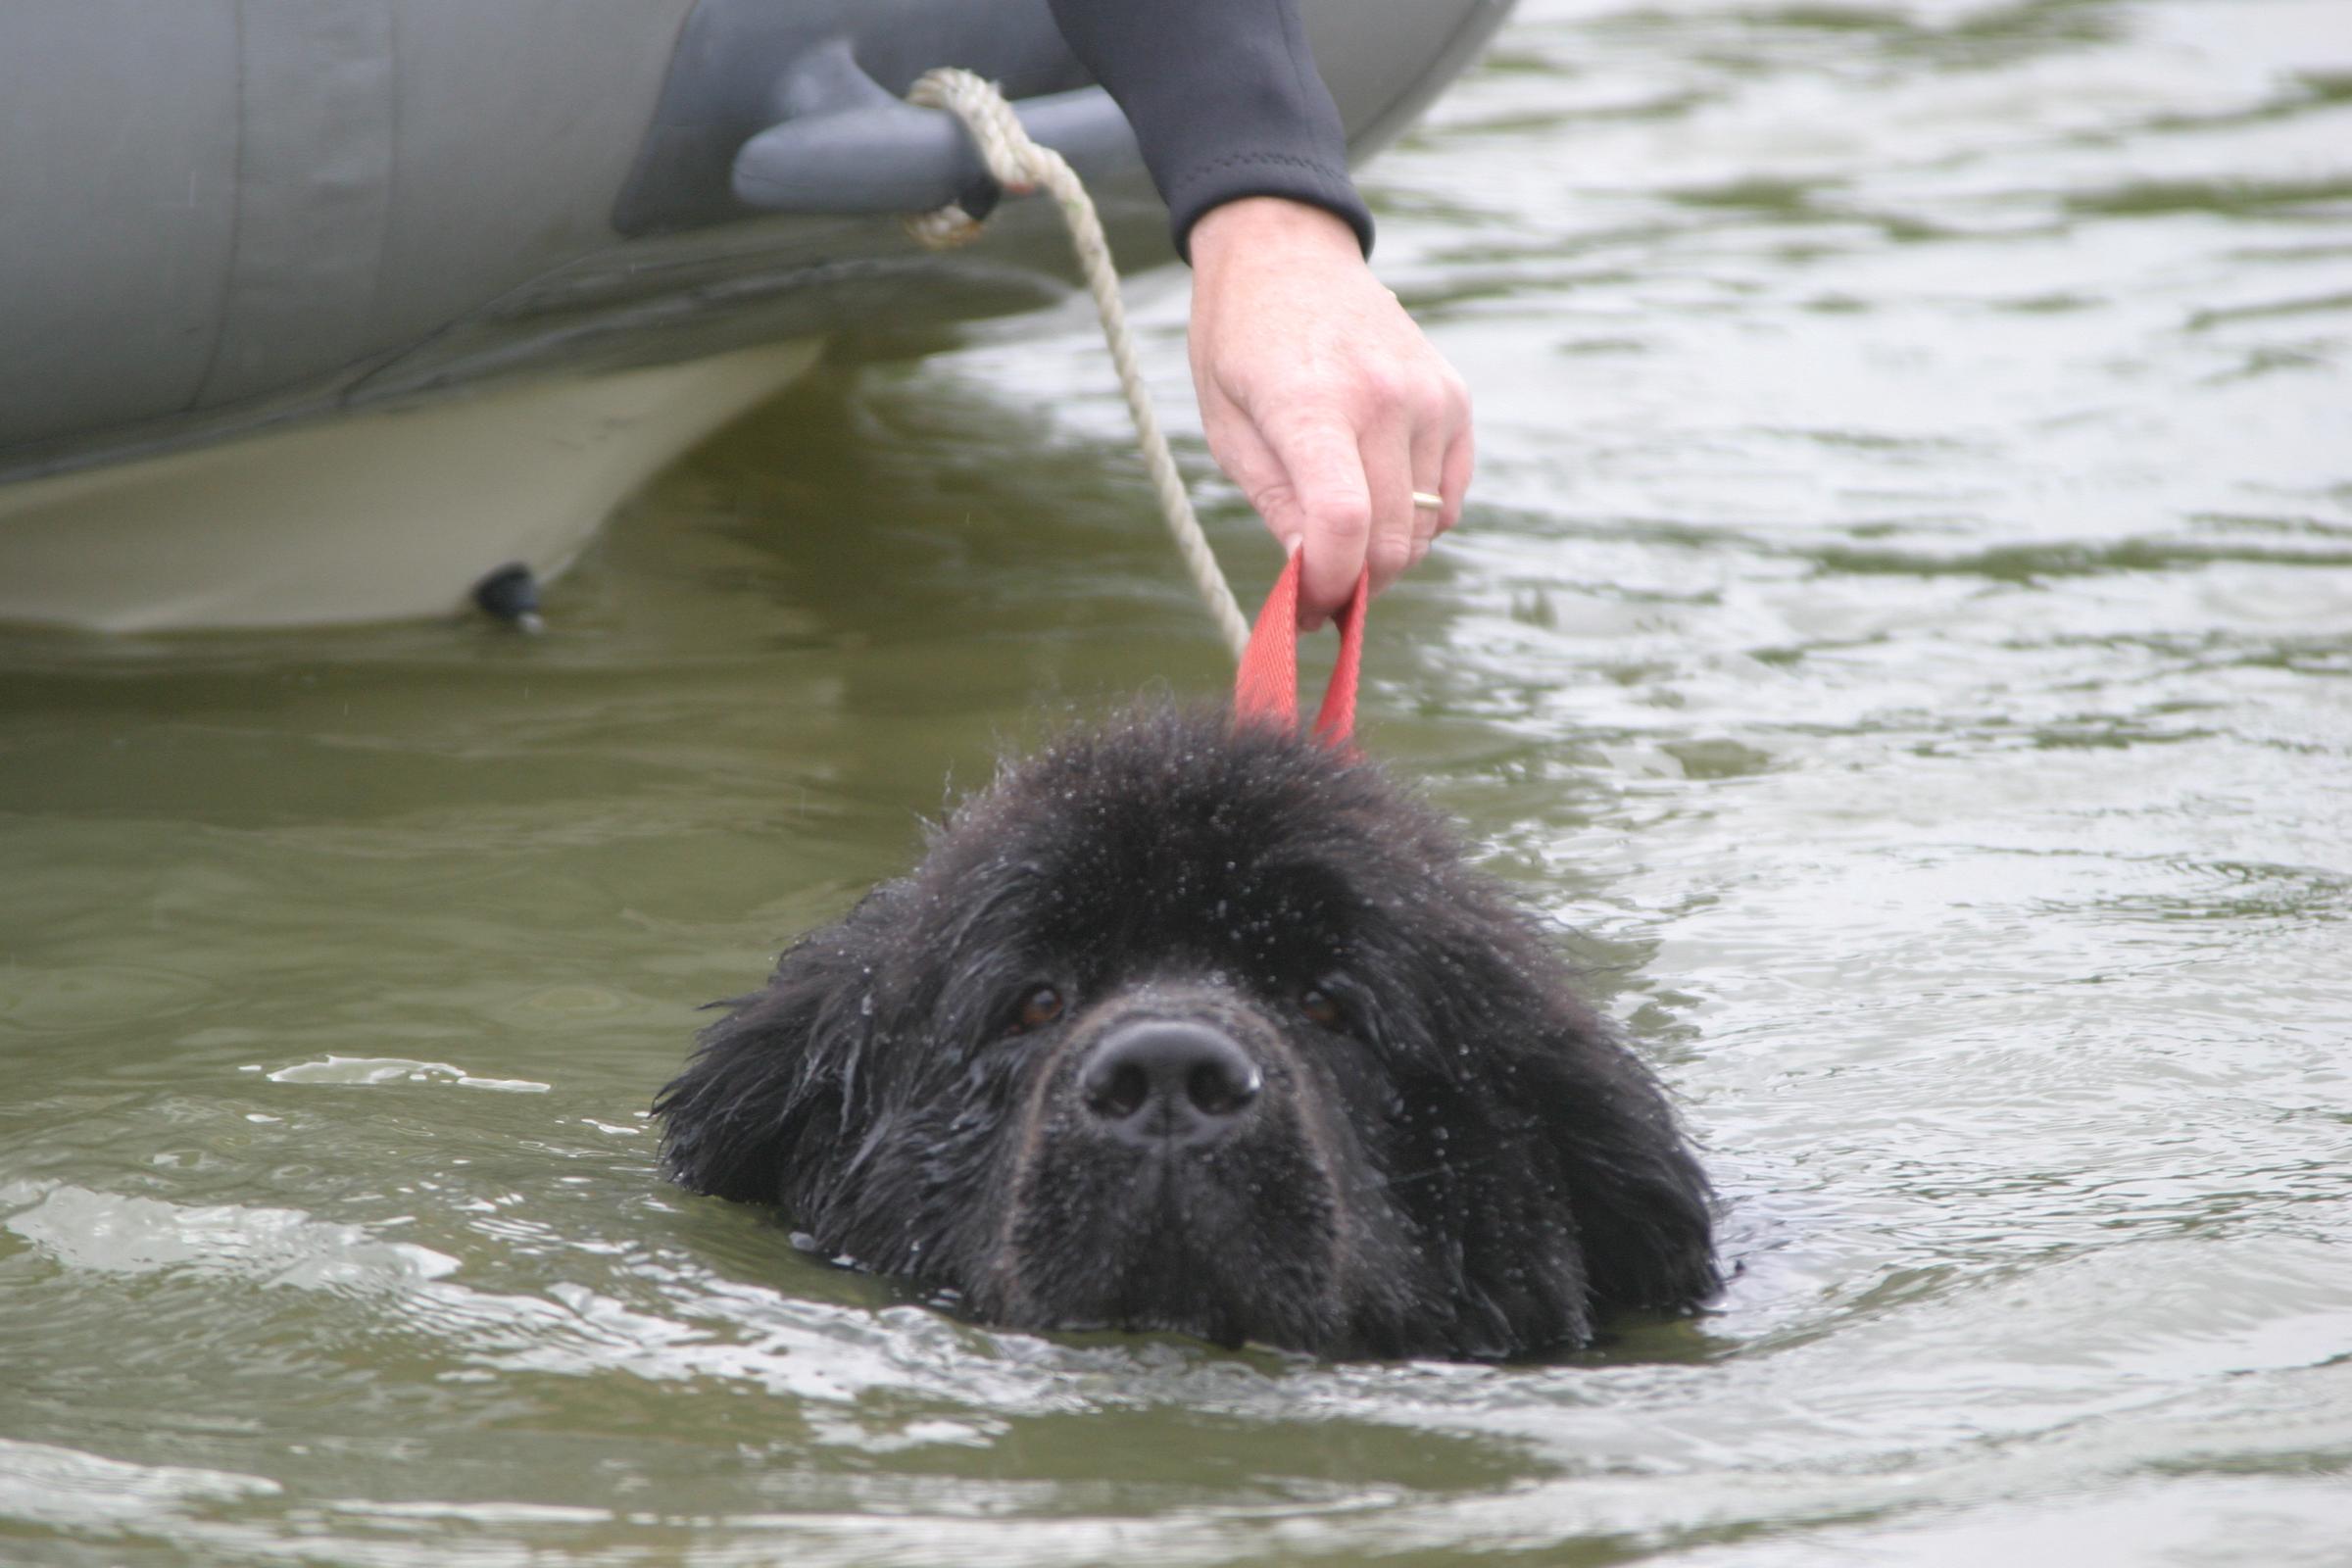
column 1904, row 632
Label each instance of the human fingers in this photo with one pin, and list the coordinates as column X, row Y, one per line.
column 1442, row 450
column 1386, row 451
column 1429, row 484
column 1462, row 460
column 1250, row 462
column 1245, row 455
column 1327, row 482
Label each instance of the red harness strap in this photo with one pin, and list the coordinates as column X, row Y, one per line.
column 1267, row 686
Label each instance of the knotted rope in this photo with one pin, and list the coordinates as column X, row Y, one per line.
column 1021, row 165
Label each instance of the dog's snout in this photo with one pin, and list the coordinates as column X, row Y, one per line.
column 1168, row 1079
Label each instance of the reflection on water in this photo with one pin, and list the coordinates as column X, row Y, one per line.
column 1905, row 636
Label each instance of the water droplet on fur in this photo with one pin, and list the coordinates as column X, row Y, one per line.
column 865, row 1006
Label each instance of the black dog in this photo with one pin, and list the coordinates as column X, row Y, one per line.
column 1183, row 1026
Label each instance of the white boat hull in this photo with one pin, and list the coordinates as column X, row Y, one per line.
column 377, row 516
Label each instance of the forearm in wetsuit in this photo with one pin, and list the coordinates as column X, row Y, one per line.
column 1225, row 101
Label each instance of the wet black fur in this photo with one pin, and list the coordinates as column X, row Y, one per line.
column 1464, row 1165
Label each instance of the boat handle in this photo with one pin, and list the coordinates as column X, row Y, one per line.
column 846, row 144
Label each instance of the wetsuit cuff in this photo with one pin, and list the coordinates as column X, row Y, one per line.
column 1234, row 176
column 1225, row 101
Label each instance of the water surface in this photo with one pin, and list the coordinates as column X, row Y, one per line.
column 1904, row 634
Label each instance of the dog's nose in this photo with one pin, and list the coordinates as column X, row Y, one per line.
column 1163, row 1079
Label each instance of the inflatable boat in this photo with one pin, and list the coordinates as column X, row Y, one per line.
column 324, row 311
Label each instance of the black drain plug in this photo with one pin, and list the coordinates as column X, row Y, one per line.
column 512, row 594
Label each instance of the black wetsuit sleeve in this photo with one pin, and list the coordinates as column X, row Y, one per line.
column 1225, row 101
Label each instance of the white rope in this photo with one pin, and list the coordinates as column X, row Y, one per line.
column 1021, row 165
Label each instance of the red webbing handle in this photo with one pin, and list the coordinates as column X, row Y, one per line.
column 1267, row 686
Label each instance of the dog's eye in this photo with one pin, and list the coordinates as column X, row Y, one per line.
column 1321, row 1008
column 1039, row 1007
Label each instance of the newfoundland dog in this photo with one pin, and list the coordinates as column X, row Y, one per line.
column 1190, row 1026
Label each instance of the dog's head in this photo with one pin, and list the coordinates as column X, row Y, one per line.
column 1186, row 1027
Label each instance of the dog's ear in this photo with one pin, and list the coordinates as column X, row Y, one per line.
column 1602, row 1209
column 773, row 1087
column 1643, row 1208
column 1596, row 1143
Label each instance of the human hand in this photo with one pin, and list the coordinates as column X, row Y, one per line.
column 1320, row 397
